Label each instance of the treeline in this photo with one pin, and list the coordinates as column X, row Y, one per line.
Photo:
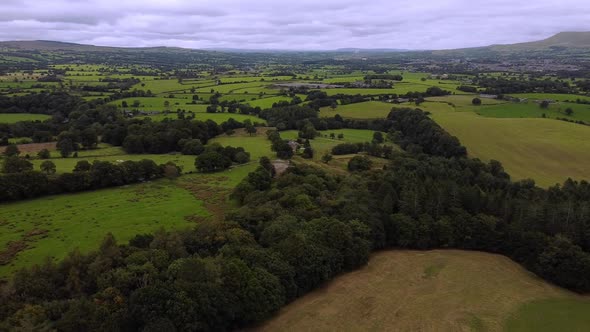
column 419, row 133
column 27, row 183
column 501, row 85
column 394, row 77
column 41, row 103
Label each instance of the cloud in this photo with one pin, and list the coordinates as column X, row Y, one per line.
column 301, row 24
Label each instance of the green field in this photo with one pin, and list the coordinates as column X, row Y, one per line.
column 16, row 117
column 545, row 150
column 365, row 110
column 440, row 290
column 548, row 315
column 532, row 110
column 55, row 225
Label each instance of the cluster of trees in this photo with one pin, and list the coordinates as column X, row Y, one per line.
column 50, row 103
column 285, row 118
column 216, row 158
column 393, row 77
column 280, row 146
column 145, row 136
column 20, row 181
column 418, row 133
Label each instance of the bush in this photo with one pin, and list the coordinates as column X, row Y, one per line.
column 476, row 101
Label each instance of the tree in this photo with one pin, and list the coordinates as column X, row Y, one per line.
column 242, row 157
column 340, row 136
column 307, row 153
column 167, row 104
column 333, row 105
column 569, row 111
column 66, row 143
column 326, row 158
column 15, row 164
column 544, row 104
column 89, row 138
column 211, row 161
column 378, row 137
column 476, row 101
column 193, row 147
column 250, row 129
column 359, row 163
column 44, row 154
column 11, row 150
column 48, row 167
column 82, row 166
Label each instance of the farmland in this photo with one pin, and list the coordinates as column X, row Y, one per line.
column 16, row 117
column 409, row 291
column 553, row 147
column 366, row 110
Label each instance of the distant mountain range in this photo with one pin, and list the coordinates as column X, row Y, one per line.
column 567, row 40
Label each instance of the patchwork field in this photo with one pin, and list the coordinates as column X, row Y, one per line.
column 441, row 290
column 16, row 117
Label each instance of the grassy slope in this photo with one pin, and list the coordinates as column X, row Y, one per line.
column 545, row 150
column 441, row 290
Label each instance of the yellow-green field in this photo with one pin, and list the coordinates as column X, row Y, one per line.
column 440, row 290
column 545, row 150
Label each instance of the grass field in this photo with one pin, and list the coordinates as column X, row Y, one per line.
column 16, row 117
column 551, row 315
column 365, row 110
column 532, row 110
column 441, row 290
column 545, row 150
column 324, row 144
column 52, row 226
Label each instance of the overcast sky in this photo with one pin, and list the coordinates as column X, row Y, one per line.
column 294, row 24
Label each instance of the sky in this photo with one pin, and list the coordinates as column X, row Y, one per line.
column 294, row 24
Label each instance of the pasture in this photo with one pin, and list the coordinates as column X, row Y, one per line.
column 545, row 150
column 17, row 117
column 365, row 110
column 440, row 290
column 324, row 144
column 52, row 226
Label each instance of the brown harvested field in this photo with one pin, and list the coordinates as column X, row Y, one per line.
column 440, row 290
column 32, row 147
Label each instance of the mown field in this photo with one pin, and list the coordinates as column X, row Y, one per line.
column 440, row 290
column 546, row 150
column 16, row 117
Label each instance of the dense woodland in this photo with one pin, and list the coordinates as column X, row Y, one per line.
column 295, row 232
